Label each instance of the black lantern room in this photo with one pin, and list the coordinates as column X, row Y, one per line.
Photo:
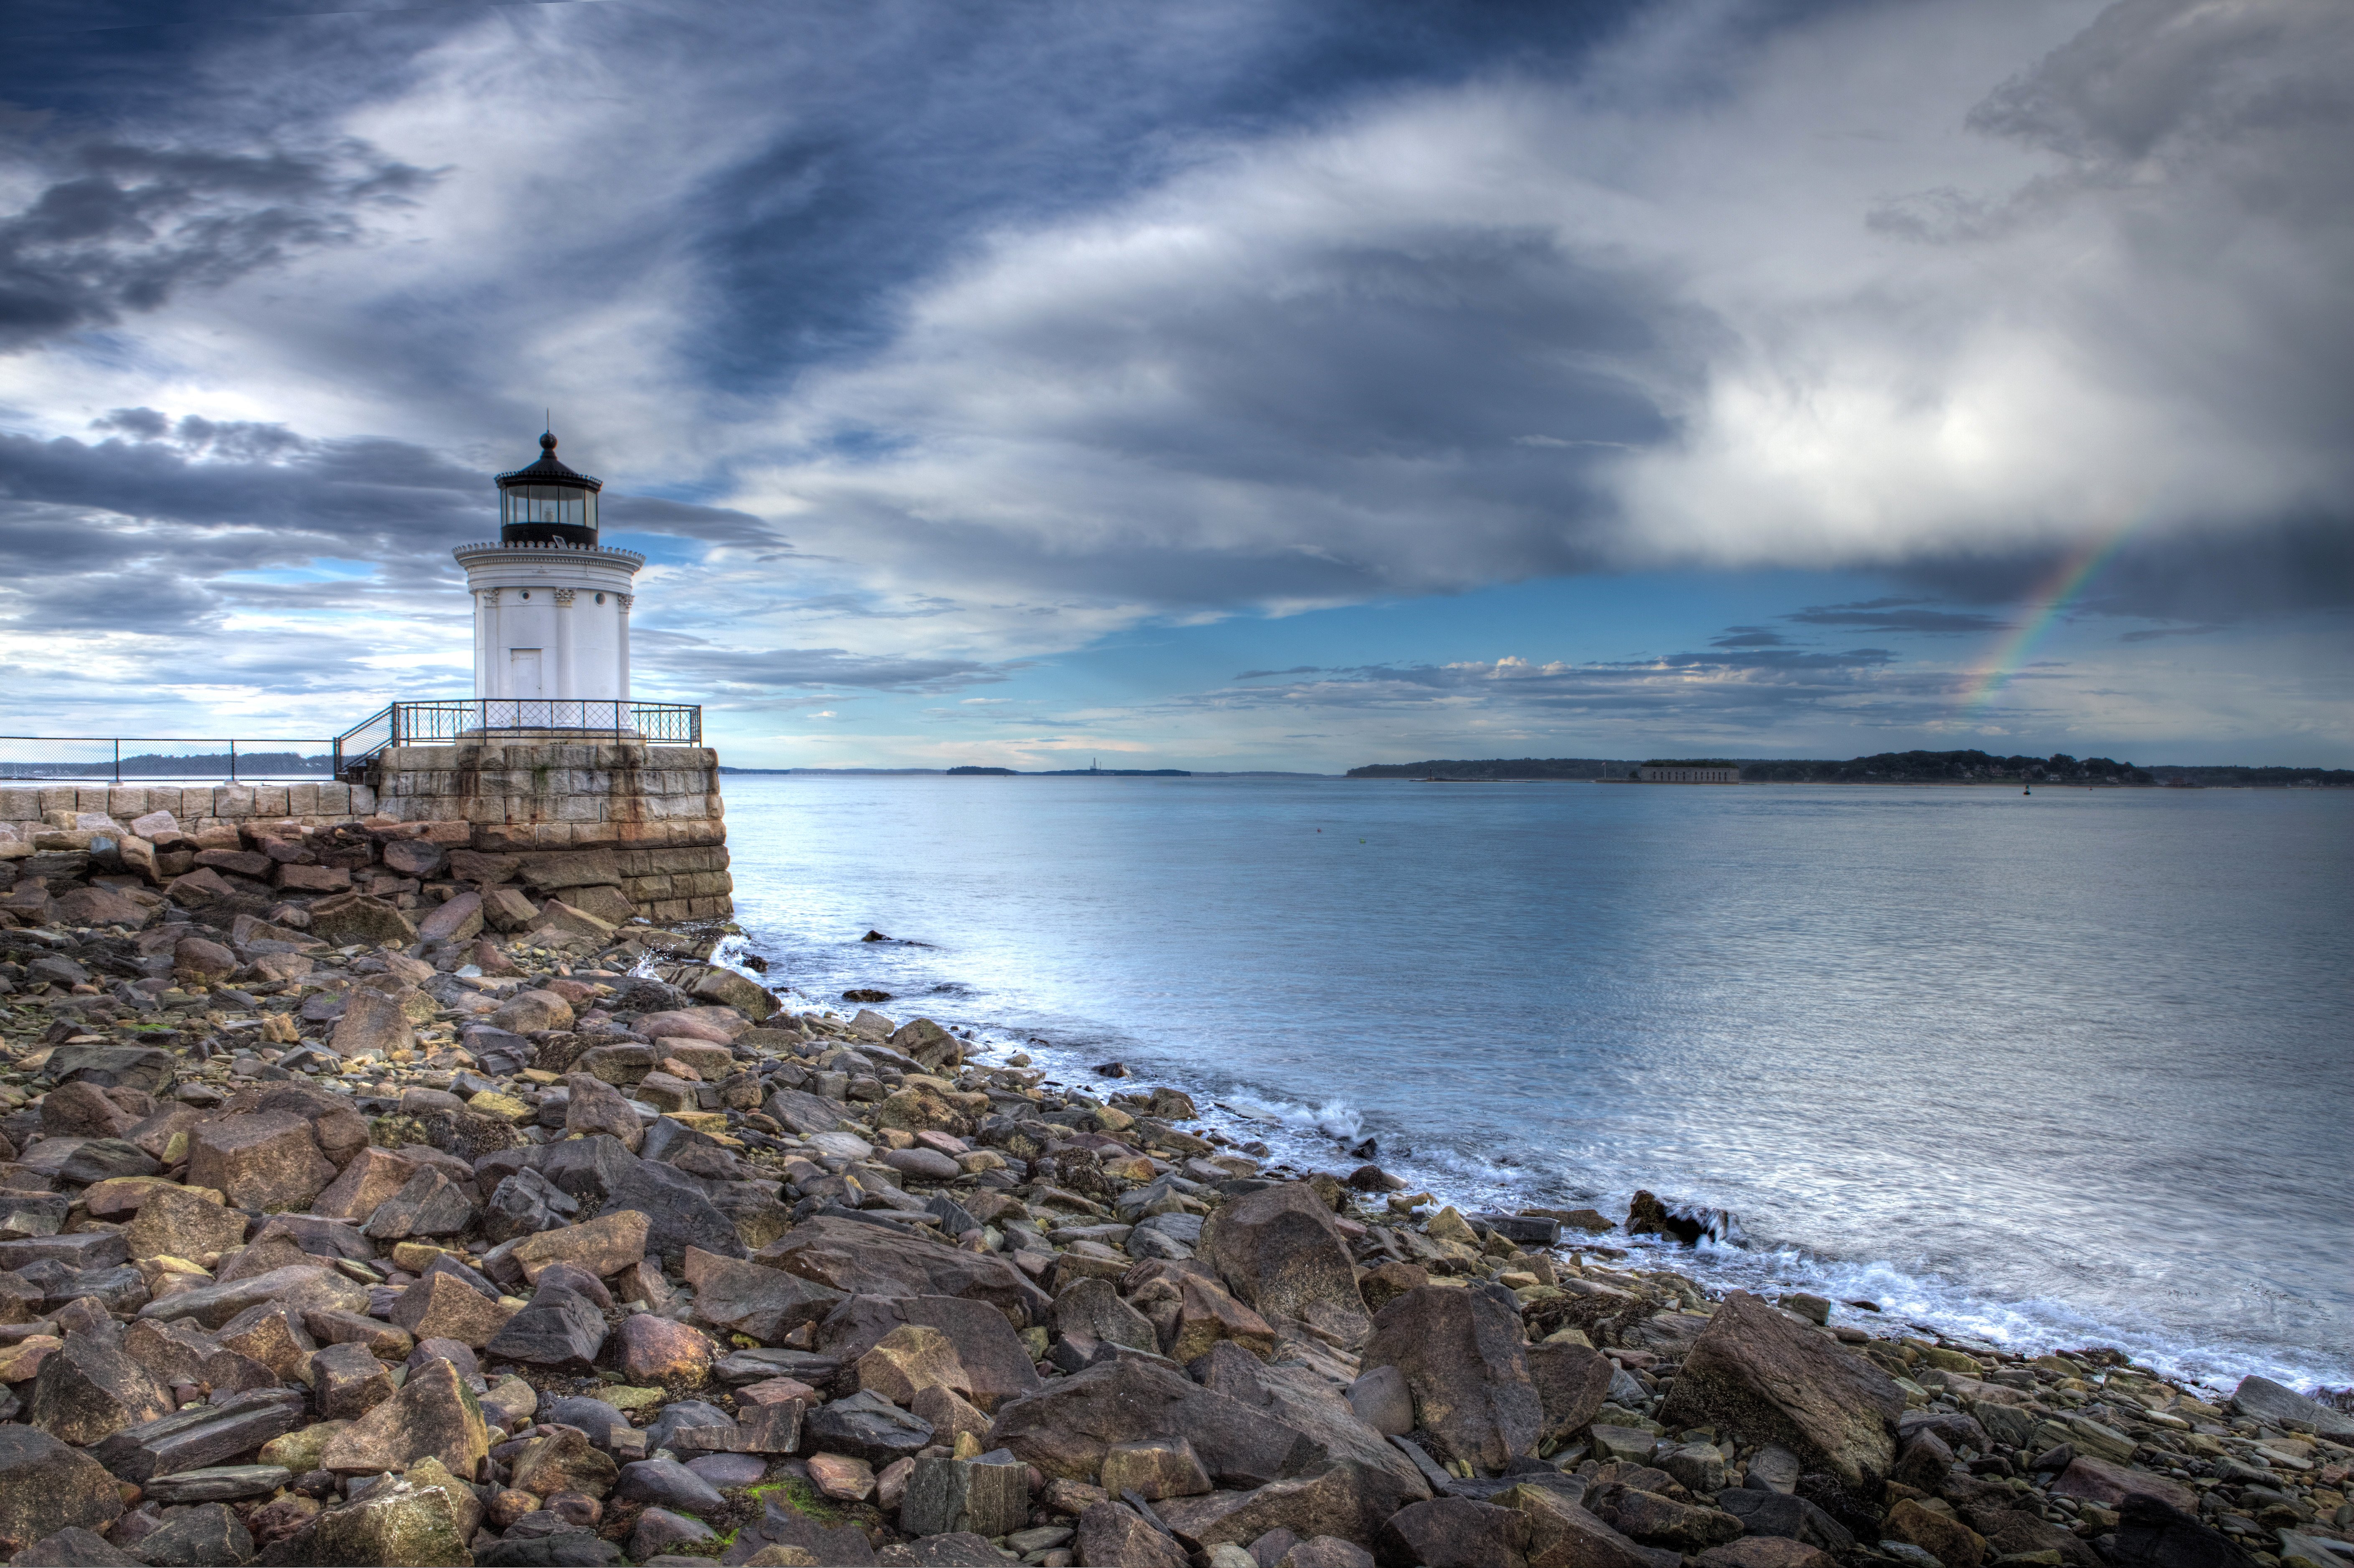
column 548, row 503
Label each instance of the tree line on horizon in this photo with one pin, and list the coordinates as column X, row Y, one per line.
column 1884, row 767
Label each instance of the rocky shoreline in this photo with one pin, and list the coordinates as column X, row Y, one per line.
column 336, row 1233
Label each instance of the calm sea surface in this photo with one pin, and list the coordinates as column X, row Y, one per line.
column 2067, row 1069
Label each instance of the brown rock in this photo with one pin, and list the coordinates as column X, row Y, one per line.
column 841, row 1477
column 1462, row 1355
column 443, row 1307
column 348, row 1381
column 948, row 1414
column 99, row 906
column 195, row 959
column 857, row 1258
column 1658, row 1521
column 372, row 1021
column 564, row 1461
column 454, row 921
column 1564, row 1535
column 1765, row 1551
column 434, row 1413
column 2094, row 1481
column 373, row 1176
column 271, row 1333
column 1207, row 1314
column 1456, row 1532
column 1114, row 1534
column 596, row 1106
column 84, row 1110
column 1092, row 1309
column 1281, row 1252
column 47, row 1487
column 1951, row 1541
column 296, row 878
column 1160, row 1467
column 182, row 1222
column 344, row 918
column 1758, row 1374
column 1349, row 1500
column 604, row 1245
column 266, row 1160
column 1066, row 1428
column 89, row 1388
column 657, row 1349
column 1572, row 1382
column 531, row 1011
column 910, row 1358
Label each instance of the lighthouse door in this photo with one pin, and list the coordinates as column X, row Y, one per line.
column 522, row 675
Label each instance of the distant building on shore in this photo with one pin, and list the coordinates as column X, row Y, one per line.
column 1710, row 770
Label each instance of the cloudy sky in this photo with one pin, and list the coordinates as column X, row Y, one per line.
column 1253, row 385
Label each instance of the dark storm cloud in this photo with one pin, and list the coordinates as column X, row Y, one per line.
column 114, row 229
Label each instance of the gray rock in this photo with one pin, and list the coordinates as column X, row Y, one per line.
column 681, row 1415
column 2261, row 1399
column 222, row 1483
column 666, row 1483
column 90, row 1388
column 1383, row 1402
column 868, row 1426
column 74, row 1547
column 47, row 1487
column 946, row 1495
column 659, row 1529
column 202, row 1434
column 209, row 1536
column 559, row 1329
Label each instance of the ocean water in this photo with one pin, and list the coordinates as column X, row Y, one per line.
column 2051, row 1071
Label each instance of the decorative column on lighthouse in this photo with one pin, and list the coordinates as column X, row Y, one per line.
column 551, row 607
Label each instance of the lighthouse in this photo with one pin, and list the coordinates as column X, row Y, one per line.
column 551, row 605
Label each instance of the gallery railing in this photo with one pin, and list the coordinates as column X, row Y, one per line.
column 423, row 724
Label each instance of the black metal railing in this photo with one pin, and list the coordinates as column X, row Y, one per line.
column 423, row 724
column 83, row 758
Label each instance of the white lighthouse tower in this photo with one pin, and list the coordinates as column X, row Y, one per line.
column 551, row 606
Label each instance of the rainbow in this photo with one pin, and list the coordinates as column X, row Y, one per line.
column 2046, row 605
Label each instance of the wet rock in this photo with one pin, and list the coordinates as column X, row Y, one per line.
column 90, row 1388
column 1759, row 1376
column 47, row 1487
column 1455, row 1532
column 1281, row 1253
column 2261, row 1400
column 1065, row 1428
column 265, row 1161
column 435, row 1415
column 1462, row 1355
column 1115, row 1533
column 1347, row 1500
column 559, row 1330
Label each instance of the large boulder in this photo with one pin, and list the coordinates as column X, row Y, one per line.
column 1758, row 1374
column 1464, row 1360
column 372, row 1021
column 736, row 1296
column 992, row 1355
column 559, row 1330
column 1092, row 1308
column 444, row 1307
column 593, row 1105
column 47, row 1487
column 1066, row 1428
column 89, row 1388
column 1572, row 1382
column 1302, row 1399
column 1280, row 1250
column 1349, row 1500
column 435, row 1413
column 264, row 1159
column 604, row 1245
column 859, row 1258
column 1455, row 1532
column 397, row 1524
column 182, row 1222
column 1111, row 1533
column 344, row 919
column 2275, row 1405
column 372, row 1176
column 1564, row 1535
